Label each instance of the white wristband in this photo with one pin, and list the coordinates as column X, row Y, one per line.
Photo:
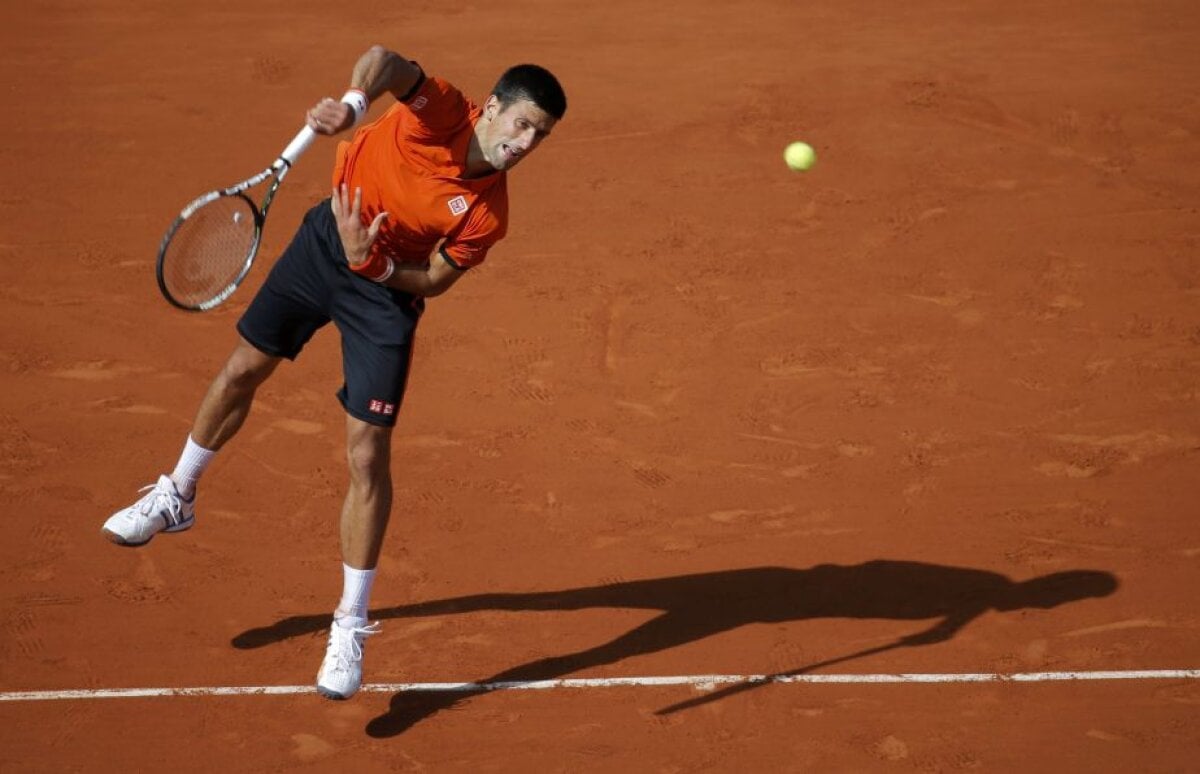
column 391, row 267
column 357, row 100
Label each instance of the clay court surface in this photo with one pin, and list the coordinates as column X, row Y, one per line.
column 697, row 415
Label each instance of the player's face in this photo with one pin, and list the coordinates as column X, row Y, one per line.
column 513, row 131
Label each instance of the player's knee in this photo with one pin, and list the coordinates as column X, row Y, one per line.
column 368, row 457
column 240, row 380
column 244, row 373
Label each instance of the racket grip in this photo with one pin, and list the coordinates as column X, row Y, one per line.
column 298, row 145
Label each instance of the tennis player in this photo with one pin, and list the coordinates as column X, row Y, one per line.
column 419, row 197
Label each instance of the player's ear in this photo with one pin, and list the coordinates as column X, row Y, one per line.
column 491, row 107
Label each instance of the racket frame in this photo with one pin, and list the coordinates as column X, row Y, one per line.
column 278, row 170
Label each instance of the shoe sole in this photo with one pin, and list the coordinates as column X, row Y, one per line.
column 334, row 695
column 121, row 541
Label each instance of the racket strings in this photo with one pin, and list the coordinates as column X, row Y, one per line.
column 210, row 250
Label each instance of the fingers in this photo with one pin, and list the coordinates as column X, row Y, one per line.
column 356, row 239
column 373, row 229
column 329, row 116
column 318, row 119
column 350, row 210
column 341, row 204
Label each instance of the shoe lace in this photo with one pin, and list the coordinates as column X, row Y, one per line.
column 158, row 500
column 345, row 644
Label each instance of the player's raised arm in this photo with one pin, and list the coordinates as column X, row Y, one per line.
column 377, row 71
column 380, row 69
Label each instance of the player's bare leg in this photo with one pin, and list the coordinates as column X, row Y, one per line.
column 169, row 504
column 365, row 515
column 368, row 503
column 227, row 403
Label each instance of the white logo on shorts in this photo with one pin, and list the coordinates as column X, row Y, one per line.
column 418, row 103
column 381, row 407
column 457, row 205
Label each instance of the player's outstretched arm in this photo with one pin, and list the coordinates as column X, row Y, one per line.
column 380, row 69
column 377, row 71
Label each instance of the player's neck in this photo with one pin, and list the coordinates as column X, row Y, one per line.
column 477, row 165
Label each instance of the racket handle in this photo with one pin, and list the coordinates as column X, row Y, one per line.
column 297, row 146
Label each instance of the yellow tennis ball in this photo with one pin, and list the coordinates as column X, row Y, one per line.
column 800, row 156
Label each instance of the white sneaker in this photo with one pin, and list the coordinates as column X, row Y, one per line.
column 161, row 509
column 340, row 675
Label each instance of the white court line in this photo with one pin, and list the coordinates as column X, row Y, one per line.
column 700, row 682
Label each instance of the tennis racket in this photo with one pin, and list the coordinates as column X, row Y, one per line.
column 209, row 249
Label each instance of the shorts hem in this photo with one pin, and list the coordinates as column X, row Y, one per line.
column 379, row 420
column 269, row 351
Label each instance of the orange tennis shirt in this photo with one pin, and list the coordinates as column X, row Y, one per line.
column 410, row 164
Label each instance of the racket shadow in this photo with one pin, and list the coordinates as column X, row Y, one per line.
column 693, row 607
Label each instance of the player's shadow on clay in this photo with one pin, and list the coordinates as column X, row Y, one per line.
column 697, row 606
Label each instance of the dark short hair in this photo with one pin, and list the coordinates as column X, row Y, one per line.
column 534, row 83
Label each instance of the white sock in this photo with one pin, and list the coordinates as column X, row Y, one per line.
column 356, row 592
column 191, row 465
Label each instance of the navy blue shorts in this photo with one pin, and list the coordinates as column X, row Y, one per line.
column 312, row 284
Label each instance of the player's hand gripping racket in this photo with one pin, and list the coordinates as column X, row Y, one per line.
column 209, row 249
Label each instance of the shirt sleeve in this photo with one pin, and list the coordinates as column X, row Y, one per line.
column 464, row 255
column 438, row 110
